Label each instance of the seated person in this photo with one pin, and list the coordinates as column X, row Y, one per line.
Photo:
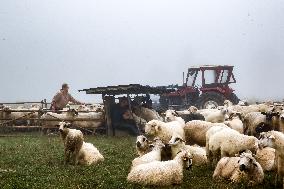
column 122, row 118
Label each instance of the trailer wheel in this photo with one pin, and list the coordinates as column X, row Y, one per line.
column 210, row 100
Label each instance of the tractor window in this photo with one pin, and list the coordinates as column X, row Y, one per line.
column 210, row 76
column 223, row 76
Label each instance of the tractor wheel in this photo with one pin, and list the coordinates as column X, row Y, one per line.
column 234, row 99
column 210, row 100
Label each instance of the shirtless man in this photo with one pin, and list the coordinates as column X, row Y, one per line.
column 61, row 99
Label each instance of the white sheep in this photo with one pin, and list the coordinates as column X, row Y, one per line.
column 211, row 131
column 172, row 115
column 161, row 173
column 72, row 140
column 164, row 130
column 154, row 155
column 217, row 116
column 229, row 142
column 275, row 139
column 266, row 158
column 198, row 154
column 240, row 169
column 195, row 131
column 89, row 155
column 142, row 145
column 235, row 122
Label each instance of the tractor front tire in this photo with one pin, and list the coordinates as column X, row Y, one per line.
column 210, row 100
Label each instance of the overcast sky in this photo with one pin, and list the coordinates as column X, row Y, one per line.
column 94, row 43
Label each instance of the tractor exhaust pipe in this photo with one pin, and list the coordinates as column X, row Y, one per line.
column 183, row 78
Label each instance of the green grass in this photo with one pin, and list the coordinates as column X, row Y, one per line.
column 37, row 161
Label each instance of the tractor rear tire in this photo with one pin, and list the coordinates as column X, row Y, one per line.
column 234, row 99
column 210, row 100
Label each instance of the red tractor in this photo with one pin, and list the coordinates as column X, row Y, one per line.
column 210, row 92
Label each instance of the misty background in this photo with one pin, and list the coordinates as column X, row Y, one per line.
column 95, row 43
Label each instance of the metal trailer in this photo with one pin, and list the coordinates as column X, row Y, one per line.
column 110, row 93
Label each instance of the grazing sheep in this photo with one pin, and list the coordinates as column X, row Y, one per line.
column 198, row 154
column 229, row 142
column 142, row 145
column 161, row 173
column 164, row 130
column 240, row 169
column 73, row 141
column 154, row 155
column 275, row 139
column 89, row 155
column 235, row 122
column 172, row 115
column 195, row 131
column 266, row 158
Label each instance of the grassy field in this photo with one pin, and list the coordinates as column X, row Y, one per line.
column 36, row 161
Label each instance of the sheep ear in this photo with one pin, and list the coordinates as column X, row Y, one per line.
column 236, row 155
column 163, row 114
column 255, row 164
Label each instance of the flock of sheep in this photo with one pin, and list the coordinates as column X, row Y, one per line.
column 242, row 142
column 35, row 116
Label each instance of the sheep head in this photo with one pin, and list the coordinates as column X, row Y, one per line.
column 142, row 142
column 170, row 115
column 63, row 125
column 152, row 127
column 175, row 140
column 186, row 158
column 247, row 162
column 266, row 139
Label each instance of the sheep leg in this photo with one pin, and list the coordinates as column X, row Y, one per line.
column 67, row 156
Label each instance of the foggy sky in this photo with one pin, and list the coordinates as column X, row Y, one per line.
column 94, row 43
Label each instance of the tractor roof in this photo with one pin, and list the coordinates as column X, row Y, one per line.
column 210, row 67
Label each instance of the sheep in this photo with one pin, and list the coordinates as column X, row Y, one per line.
column 140, row 122
column 161, row 173
column 154, row 155
column 142, row 145
column 266, row 158
column 240, row 169
column 97, row 122
column 217, row 116
column 146, row 113
column 211, row 131
column 164, row 130
column 89, row 155
column 198, row 153
column 257, row 122
column 72, row 140
column 229, row 142
column 53, row 119
column 172, row 115
column 275, row 139
column 195, row 131
column 235, row 122
column 190, row 114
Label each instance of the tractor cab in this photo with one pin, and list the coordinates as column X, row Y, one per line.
column 205, row 86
